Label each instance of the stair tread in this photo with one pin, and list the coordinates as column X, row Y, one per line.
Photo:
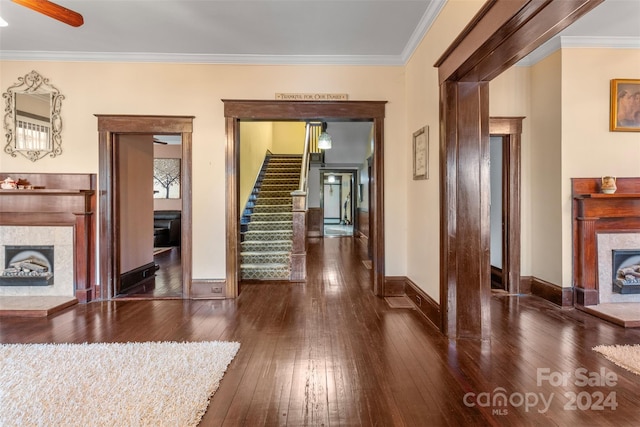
column 273, row 242
column 271, row 213
column 271, row 222
column 268, row 231
column 259, row 199
column 265, row 253
column 256, row 266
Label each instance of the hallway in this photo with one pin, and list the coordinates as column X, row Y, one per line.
column 328, row 352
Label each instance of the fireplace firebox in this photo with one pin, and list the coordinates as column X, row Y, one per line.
column 626, row 271
column 27, row 266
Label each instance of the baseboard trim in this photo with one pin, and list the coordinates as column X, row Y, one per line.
column 133, row 278
column 551, row 292
column 394, row 286
column 525, row 284
column 208, row 289
column 424, row 303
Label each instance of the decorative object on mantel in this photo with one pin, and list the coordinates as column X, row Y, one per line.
column 625, row 105
column 16, row 184
column 608, row 185
column 32, row 121
column 8, row 184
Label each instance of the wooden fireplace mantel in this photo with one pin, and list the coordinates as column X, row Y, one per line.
column 60, row 200
column 595, row 212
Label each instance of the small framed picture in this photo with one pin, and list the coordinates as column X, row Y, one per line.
column 625, row 105
column 421, row 153
column 166, row 178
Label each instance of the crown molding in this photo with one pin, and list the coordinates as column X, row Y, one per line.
column 561, row 42
column 428, row 18
column 382, row 60
column 568, row 42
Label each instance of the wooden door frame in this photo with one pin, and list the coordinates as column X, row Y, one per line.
column 509, row 129
column 109, row 127
column 497, row 37
column 237, row 110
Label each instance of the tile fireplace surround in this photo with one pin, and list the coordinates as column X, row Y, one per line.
column 58, row 211
column 606, row 243
column 61, row 238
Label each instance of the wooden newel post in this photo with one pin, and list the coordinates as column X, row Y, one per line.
column 299, row 247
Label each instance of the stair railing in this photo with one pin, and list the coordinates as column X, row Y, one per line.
column 304, row 167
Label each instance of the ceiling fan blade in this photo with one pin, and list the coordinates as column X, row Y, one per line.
column 157, row 141
column 54, row 11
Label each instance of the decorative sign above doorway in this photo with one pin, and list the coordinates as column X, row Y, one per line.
column 312, row 96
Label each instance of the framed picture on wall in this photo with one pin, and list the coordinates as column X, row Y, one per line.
column 625, row 105
column 166, row 178
column 421, row 153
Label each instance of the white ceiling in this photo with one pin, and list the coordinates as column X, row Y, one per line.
column 369, row 32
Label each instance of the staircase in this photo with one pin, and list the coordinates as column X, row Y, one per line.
column 267, row 221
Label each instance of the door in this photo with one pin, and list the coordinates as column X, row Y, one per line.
column 134, row 169
column 505, row 202
column 332, row 194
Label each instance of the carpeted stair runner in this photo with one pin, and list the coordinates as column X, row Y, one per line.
column 267, row 224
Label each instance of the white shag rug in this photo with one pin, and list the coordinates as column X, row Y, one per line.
column 129, row 384
column 625, row 356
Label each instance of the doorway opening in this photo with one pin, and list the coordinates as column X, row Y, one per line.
column 505, row 203
column 119, row 145
column 237, row 110
column 337, row 201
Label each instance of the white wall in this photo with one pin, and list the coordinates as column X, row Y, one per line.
column 422, row 211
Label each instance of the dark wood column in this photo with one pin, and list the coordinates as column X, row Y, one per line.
column 465, row 235
column 501, row 33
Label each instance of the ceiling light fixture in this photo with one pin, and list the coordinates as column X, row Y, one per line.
column 3, row 23
column 324, row 140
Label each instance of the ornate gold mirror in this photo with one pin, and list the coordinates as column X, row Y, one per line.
column 32, row 119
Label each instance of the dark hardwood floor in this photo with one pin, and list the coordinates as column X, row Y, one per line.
column 329, row 353
column 167, row 281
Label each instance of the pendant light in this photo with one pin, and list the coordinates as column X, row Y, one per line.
column 324, row 140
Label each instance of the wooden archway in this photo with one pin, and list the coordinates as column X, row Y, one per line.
column 501, row 33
